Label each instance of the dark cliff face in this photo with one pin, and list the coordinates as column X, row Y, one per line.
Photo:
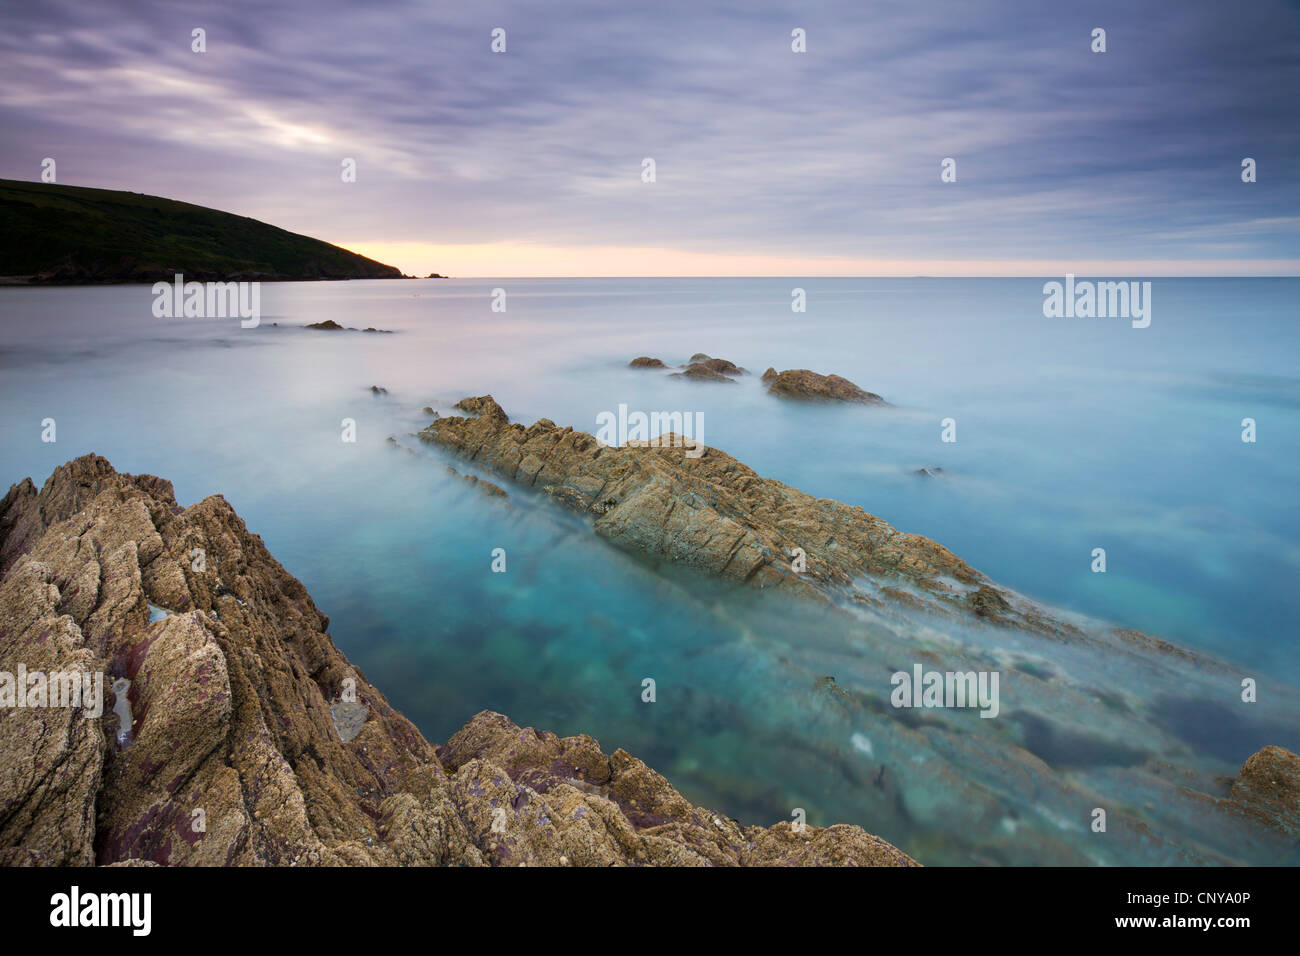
column 252, row 739
column 71, row 235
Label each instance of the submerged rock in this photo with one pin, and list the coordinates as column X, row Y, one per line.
column 489, row 489
column 801, row 384
column 376, row 390
column 241, row 752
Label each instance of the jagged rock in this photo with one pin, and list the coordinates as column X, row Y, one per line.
column 989, row 603
column 715, row 514
column 800, row 383
column 1268, row 791
column 563, row 797
column 645, row 361
column 255, row 741
column 484, row 406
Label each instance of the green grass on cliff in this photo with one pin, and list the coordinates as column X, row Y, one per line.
column 75, row 234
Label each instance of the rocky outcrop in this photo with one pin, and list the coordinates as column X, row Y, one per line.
column 803, row 385
column 645, row 361
column 253, row 740
column 715, row 514
column 1267, row 791
column 576, row 806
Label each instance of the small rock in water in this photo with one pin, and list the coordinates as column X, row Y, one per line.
column 703, row 373
column 805, row 385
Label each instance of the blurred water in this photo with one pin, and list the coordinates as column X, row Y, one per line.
column 1072, row 434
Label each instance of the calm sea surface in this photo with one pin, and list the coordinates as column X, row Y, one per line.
column 1072, row 434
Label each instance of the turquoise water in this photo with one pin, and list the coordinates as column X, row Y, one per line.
column 1072, row 434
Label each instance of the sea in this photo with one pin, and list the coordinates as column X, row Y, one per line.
column 1034, row 447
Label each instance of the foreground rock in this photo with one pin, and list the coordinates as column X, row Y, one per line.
column 254, row 741
column 803, row 385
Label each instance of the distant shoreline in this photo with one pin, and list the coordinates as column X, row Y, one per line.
column 38, row 280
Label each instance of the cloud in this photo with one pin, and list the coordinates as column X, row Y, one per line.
column 760, row 152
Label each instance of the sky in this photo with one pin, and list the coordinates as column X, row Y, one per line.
column 767, row 161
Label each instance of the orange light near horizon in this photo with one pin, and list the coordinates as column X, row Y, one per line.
column 491, row 260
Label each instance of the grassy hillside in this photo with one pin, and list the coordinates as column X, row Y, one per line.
column 71, row 234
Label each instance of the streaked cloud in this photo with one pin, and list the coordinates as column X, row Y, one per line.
column 764, row 157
